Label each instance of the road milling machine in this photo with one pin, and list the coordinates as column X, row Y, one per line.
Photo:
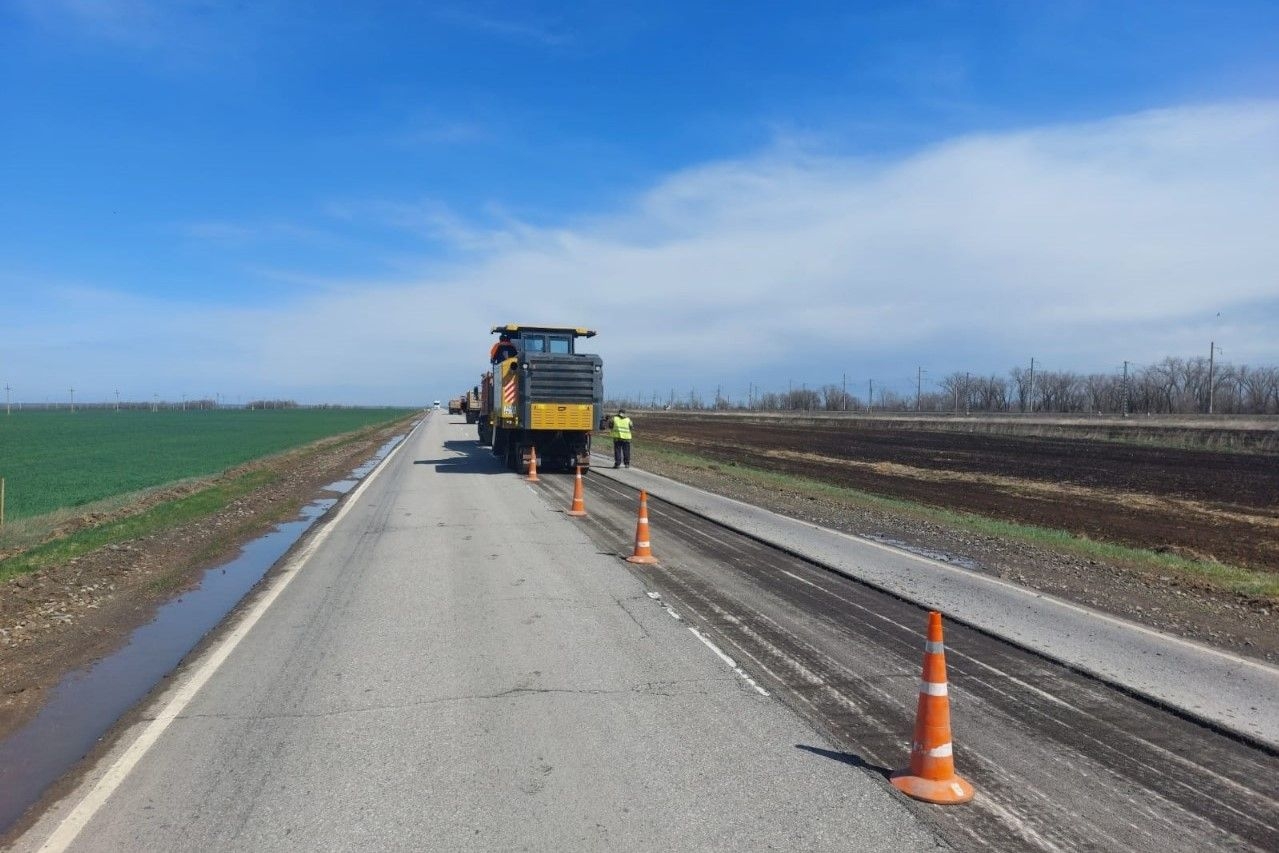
column 541, row 393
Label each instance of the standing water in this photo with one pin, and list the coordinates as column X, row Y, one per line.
column 88, row 701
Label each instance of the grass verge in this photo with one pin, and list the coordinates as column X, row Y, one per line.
column 164, row 516
column 37, row 553
column 1218, row 576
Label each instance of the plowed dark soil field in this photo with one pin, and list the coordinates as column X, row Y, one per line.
column 1197, row 503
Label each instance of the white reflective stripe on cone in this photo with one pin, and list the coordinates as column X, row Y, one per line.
column 943, row 751
column 933, row 689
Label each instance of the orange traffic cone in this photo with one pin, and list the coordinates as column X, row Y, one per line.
column 931, row 776
column 532, row 466
column 643, row 548
column 578, row 509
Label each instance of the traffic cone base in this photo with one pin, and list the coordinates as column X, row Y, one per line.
column 931, row 776
column 643, row 548
column 952, row 792
column 578, row 510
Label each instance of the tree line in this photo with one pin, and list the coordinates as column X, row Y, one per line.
column 1172, row 386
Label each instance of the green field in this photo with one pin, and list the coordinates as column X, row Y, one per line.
column 59, row 459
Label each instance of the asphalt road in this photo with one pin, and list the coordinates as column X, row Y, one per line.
column 452, row 664
column 1061, row 760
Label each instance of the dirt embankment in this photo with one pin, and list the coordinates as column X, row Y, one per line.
column 1196, row 503
column 62, row 617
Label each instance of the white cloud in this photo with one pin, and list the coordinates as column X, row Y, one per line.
column 1083, row 244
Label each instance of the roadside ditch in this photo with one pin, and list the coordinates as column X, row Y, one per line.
column 84, row 641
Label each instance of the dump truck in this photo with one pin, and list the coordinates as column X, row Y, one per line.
column 541, row 393
column 455, row 406
column 471, row 405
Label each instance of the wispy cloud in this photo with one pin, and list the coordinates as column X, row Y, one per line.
column 138, row 23
column 251, row 233
column 433, row 221
column 510, row 28
column 176, row 34
column 441, row 133
column 1083, row 244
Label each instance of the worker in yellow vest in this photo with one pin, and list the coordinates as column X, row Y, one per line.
column 621, row 433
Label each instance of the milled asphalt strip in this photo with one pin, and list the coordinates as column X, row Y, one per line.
column 1232, row 693
column 73, row 823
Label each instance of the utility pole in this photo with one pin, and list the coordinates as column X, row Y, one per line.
column 1212, row 350
column 919, row 386
column 1030, row 395
column 72, row 393
column 870, row 395
column 117, row 399
column 844, row 394
column 968, row 395
column 155, row 402
column 7, row 410
column 184, row 401
column 1125, row 388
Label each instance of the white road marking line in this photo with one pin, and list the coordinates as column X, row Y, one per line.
column 72, row 824
column 726, row 659
column 666, row 607
column 802, row 580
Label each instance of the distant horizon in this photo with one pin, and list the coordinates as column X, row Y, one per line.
column 852, row 384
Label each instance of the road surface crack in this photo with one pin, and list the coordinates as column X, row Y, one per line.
column 621, row 602
column 687, row 687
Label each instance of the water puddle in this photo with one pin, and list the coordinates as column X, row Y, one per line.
column 87, row 702
column 363, row 471
column 345, row 485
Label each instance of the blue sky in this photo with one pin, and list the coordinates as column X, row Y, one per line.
column 333, row 201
